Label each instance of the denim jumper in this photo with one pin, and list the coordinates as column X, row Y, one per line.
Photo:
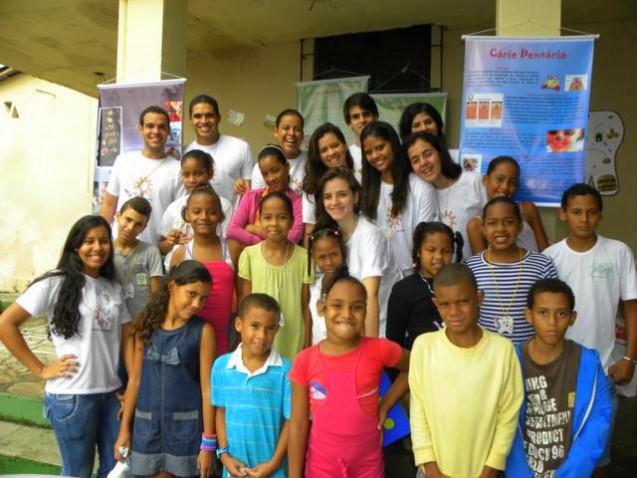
column 168, row 417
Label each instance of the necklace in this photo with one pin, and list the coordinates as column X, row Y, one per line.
column 424, row 279
column 505, row 323
column 265, row 254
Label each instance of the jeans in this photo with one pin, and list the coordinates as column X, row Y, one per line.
column 80, row 423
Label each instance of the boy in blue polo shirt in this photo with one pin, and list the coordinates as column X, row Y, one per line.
column 251, row 393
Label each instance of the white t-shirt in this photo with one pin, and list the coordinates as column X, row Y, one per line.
column 158, row 180
column 368, row 255
column 232, row 159
column 319, row 331
column 357, row 158
column 600, row 278
column 309, row 208
column 421, row 205
column 461, row 201
column 172, row 220
column 297, row 174
column 526, row 238
column 97, row 343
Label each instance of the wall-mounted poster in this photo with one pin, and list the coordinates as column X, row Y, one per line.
column 528, row 98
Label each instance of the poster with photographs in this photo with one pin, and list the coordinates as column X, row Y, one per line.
column 118, row 121
column 109, row 135
column 528, row 98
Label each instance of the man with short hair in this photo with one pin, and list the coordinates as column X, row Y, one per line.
column 148, row 173
column 232, row 156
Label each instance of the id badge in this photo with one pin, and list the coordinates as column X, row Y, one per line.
column 129, row 291
column 141, row 279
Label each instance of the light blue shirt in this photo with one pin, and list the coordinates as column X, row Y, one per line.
column 256, row 406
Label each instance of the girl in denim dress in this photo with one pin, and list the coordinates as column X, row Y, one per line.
column 167, row 399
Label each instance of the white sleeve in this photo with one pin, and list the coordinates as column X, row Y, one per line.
column 257, row 178
column 167, row 221
column 228, row 210
column 248, row 163
column 628, row 279
column 374, row 255
column 114, row 184
column 40, row 297
column 155, row 267
column 427, row 202
column 309, row 209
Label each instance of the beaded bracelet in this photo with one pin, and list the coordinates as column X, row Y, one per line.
column 208, row 442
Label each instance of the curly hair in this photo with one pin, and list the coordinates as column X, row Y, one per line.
column 66, row 313
column 154, row 314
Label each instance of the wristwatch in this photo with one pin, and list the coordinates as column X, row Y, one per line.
column 222, row 451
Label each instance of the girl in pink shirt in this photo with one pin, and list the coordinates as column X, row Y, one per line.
column 336, row 382
column 245, row 227
column 203, row 213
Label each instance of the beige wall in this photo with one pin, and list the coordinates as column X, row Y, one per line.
column 46, row 159
column 54, row 167
column 613, row 88
column 256, row 82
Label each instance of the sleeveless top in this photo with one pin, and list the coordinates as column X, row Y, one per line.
column 218, row 307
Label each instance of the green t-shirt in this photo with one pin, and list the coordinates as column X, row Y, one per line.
column 285, row 284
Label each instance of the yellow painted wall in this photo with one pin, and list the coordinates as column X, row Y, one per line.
column 54, row 165
column 256, row 82
column 46, row 159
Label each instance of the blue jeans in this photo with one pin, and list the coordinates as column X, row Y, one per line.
column 80, row 423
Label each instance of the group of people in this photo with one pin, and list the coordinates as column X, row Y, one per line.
column 243, row 313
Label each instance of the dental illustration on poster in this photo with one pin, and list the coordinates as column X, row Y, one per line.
column 528, row 98
column 604, row 136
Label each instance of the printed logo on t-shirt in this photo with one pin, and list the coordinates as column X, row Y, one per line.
column 601, row 270
column 296, row 185
column 141, row 187
column 394, row 223
column 103, row 311
column 318, row 392
column 449, row 218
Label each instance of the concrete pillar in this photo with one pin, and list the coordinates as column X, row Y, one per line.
column 533, row 18
column 151, row 39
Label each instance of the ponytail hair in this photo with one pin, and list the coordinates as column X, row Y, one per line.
column 341, row 275
column 154, row 314
column 424, row 229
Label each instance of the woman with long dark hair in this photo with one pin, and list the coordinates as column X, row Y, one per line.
column 392, row 196
column 87, row 318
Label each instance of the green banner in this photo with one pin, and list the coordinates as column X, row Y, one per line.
column 391, row 106
column 321, row 101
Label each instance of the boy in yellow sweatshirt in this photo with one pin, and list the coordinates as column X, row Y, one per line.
column 466, row 387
